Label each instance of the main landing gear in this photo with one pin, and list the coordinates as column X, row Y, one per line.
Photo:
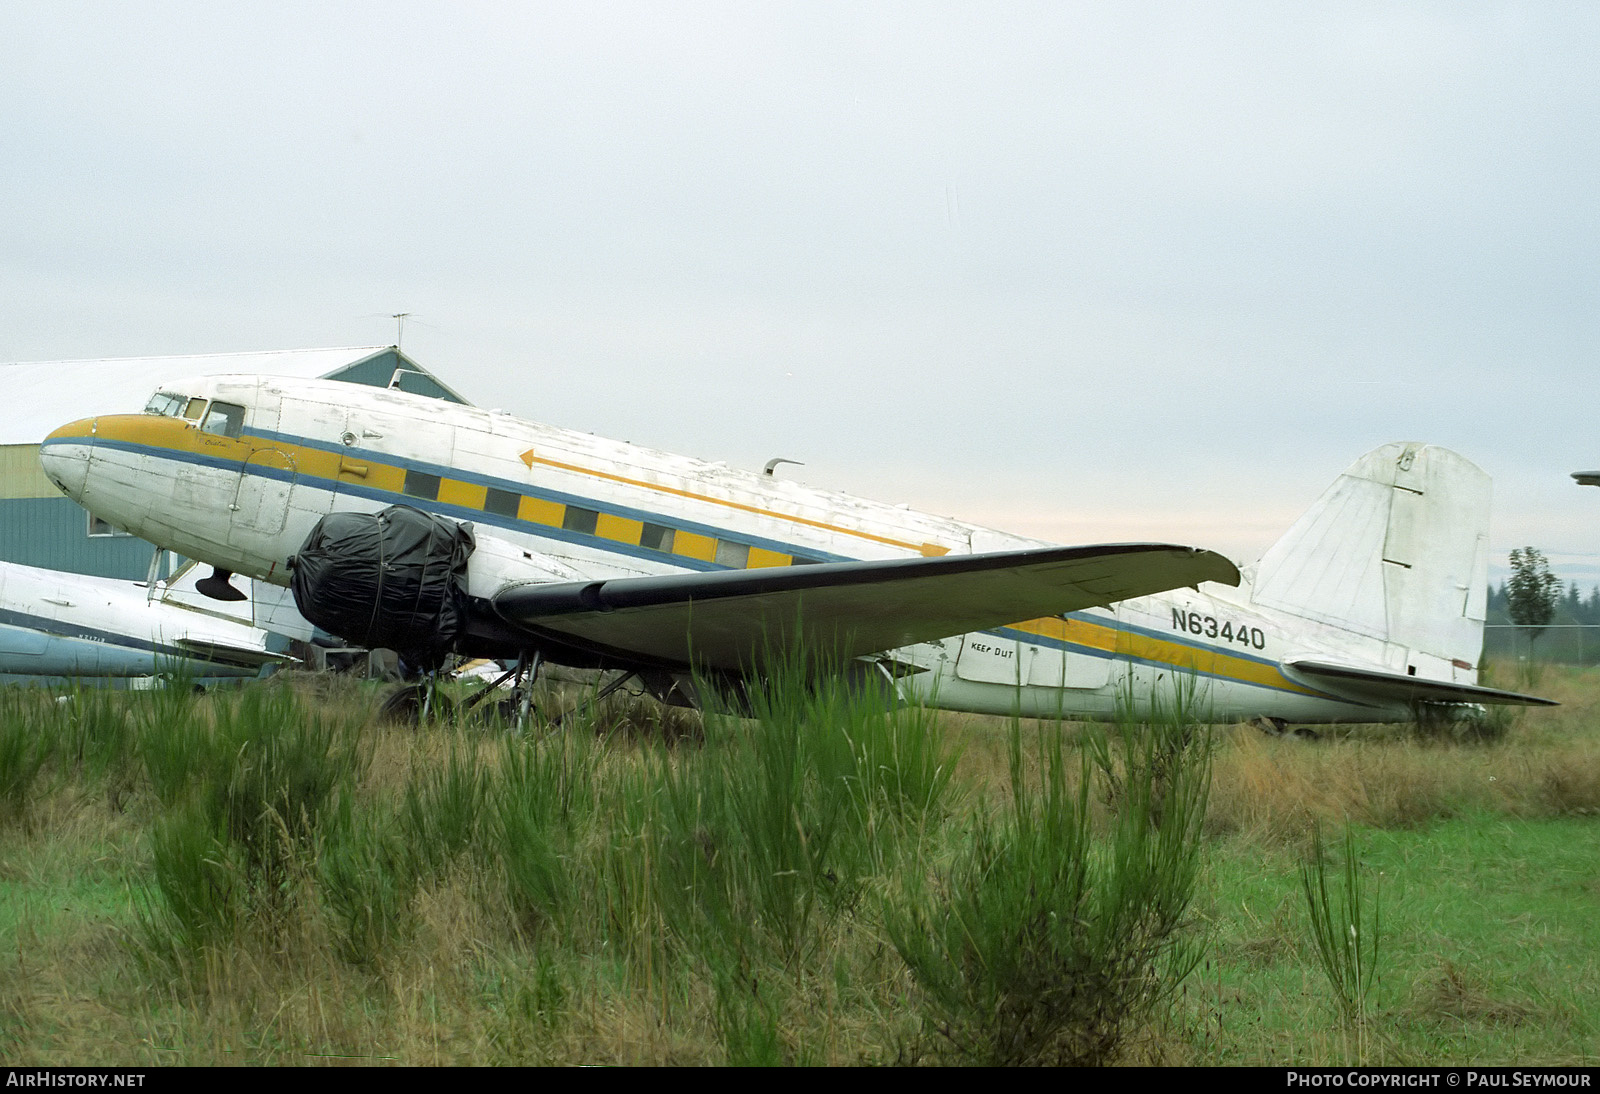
column 518, row 706
column 425, row 701
column 1278, row 727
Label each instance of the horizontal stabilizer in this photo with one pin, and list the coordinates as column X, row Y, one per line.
column 238, row 656
column 731, row 619
column 1370, row 684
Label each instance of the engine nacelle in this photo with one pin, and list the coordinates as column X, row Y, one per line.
column 395, row 579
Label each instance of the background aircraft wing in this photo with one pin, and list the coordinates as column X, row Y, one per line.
column 733, row 619
column 1360, row 684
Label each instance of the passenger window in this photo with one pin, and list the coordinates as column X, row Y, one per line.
column 420, row 484
column 223, row 419
column 580, row 520
column 502, row 503
column 734, row 555
column 656, row 537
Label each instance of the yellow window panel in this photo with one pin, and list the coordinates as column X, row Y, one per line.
column 620, row 529
column 692, row 546
column 465, row 494
column 761, row 557
column 539, row 511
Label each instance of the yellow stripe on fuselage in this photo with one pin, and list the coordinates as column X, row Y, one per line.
column 928, row 549
column 1205, row 660
column 178, row 436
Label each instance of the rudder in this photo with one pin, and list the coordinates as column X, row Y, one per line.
column 1397, row 549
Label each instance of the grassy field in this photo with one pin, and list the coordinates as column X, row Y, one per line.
column 270, row 877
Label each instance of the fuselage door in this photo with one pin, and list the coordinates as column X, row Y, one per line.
column 267, row 472
column 989, row 659
column 261, row 500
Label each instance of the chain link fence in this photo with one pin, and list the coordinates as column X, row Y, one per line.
column 1557, row 644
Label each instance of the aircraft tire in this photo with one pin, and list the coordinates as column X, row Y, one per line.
column 404, row 706
column 508, row 709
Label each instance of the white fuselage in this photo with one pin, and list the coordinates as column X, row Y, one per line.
column 556, row 505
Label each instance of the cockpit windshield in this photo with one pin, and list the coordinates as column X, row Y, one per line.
column 166, row 404
column 192, row 408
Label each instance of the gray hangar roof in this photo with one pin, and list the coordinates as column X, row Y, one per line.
column 42, row 395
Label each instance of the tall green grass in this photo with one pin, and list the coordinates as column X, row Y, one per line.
column 1046, row 939
column 27, row 744
column 443, row 803
column 264, row 773
column 811, row 879
column 773, row 829
column 48, row 738
column 368, row 877
column 1344, row 922
column 543, row 806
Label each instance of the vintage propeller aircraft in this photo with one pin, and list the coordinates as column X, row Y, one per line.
column 441, row 530
column 55, row 625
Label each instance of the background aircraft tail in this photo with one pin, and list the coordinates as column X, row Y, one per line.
column 1397, row 549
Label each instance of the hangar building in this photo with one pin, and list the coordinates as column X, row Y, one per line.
column 41, row 527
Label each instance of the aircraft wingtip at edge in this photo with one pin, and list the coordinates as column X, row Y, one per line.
column 1227, row 570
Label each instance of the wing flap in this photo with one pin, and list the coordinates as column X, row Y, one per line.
column 732, row 619
column 1360, row 683
column 227, row 654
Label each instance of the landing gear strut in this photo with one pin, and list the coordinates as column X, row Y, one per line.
column 517, row 708
column 599, row 695
column 424, row 701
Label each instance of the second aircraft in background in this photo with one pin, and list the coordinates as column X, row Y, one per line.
column 56, row 626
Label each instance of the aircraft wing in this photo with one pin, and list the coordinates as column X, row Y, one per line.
column 1362, row 684
column 733, row 619
column 228, row 654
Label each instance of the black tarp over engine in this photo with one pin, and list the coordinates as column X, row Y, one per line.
column 394, row 579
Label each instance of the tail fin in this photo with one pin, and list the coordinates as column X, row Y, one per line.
column 1397, row 549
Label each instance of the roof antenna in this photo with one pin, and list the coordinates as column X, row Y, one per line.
column 399, row 318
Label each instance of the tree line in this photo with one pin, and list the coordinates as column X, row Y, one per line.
column 1572, row 605
column 1544, row 611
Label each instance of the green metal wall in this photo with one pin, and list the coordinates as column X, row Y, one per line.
column 378, row 370
column 53, row 533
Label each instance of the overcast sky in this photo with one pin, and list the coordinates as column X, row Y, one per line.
column 1089, row 272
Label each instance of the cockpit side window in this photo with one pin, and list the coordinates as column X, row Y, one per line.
column 224, row 419
column 194, row 409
